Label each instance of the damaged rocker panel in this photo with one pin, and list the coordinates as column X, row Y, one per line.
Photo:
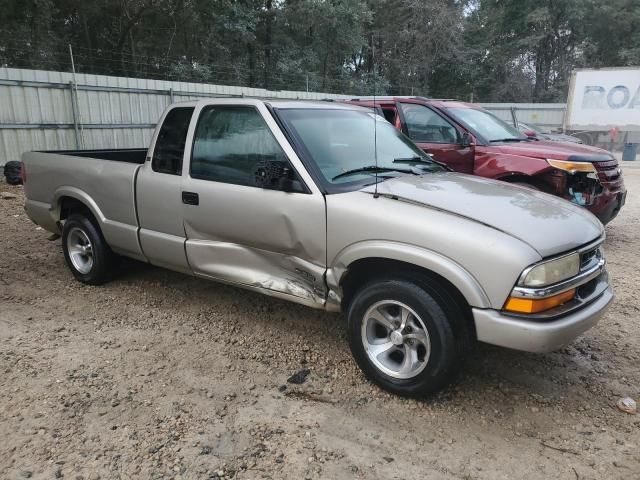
column 273, row 273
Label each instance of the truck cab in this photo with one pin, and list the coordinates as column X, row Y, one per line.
column 469, row 139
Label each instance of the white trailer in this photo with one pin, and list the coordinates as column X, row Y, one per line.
column 601, row 100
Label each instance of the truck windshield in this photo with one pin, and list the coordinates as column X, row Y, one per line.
column 487, row 125
column 341, row 145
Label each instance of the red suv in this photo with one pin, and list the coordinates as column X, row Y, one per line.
column 471, row 140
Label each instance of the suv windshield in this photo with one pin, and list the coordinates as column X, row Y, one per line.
column 487, row 125
column 341, row 144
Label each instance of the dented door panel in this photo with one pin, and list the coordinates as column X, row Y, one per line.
column 252, row 267
column 256, row 237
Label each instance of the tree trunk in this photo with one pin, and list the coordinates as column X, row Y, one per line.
column 267, row 43
column 87, row 37
column 252, row 65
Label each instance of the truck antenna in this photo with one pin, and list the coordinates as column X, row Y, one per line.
column 77, row 105
column 375, row 120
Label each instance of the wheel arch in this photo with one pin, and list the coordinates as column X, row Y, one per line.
column 360, row 260
column 121, row 238
column 71, row 199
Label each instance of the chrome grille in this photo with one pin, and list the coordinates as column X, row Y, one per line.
column 590, row 257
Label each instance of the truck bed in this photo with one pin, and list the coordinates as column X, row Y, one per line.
column 104, row 180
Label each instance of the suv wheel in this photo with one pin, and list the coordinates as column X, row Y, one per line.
column 402, row 338
column 87, row 254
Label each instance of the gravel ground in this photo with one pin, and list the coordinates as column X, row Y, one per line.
column 158, row 375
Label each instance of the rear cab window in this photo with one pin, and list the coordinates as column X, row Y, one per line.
column 169, row 147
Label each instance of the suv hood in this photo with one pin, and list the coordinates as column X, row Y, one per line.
column 558, row 137
column 548, row 224
column 557, row 151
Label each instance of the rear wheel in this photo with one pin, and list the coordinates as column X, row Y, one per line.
column 403, row 339
column 87, row 254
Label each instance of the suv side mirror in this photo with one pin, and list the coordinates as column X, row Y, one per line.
column 467, row 140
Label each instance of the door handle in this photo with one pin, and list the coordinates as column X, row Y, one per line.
column 190, row 198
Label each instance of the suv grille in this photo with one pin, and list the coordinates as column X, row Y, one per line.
column 609, row 174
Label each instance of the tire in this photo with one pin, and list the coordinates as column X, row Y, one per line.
column 418, row 364
column 93, row 265
column 12, row 172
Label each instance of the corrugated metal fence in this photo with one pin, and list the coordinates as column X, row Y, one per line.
column 42, row 110
column 549, row 115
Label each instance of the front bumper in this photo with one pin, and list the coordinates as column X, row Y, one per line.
column 608, row 204
column 497, row 328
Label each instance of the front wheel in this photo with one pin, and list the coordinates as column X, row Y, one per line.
column 402, row 338
column 86, row 252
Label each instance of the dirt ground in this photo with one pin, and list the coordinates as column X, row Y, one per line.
column 158, row 375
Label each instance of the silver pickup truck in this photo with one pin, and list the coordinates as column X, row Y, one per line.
column 329, row 206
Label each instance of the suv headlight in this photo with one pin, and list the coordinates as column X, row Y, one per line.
column 551, row 271
column 572, row 167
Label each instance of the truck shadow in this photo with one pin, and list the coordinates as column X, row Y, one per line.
column 488, row 370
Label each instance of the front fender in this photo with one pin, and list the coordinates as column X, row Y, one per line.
column 468, row 286
column 502, row 165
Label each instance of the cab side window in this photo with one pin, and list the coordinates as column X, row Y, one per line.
column 426, row 126
column 233, row 144
column 390, row 114
column 169, row 148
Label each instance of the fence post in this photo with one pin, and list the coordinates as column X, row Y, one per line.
column 75, row 115
column 514, row 117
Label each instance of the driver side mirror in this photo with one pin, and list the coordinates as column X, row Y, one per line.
column 467, row 140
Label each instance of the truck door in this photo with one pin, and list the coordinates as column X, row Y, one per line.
column 242, row 227
column 158, row 194
column 436, row 135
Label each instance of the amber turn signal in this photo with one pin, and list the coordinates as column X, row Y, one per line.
column 572, row 167
column 536, row 305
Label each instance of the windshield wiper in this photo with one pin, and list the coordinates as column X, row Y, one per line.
column 415, row 159
column 372, row 168
column 430, row 161
column 512, row 139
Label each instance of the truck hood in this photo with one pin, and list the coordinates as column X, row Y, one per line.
column 557, row 151
column 548, row 224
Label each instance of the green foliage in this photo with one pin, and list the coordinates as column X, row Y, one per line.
column 488, row 50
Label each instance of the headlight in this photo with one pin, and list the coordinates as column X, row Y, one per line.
column 572, row 167
column 552, row 271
